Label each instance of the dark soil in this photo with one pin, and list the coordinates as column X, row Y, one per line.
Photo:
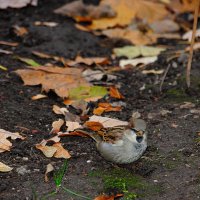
column 170, row 166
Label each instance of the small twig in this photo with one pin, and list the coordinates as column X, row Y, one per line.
column 188, row 70
column 164, row 76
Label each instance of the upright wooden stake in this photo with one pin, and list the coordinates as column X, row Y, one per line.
column 188, row 70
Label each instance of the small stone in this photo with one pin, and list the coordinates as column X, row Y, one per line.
column 155, row 181
column 22, row 170
column 88, row 161
column 25, row 158
column 173, row 158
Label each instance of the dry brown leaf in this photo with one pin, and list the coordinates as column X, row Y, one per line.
column 181, row 6
column 16, row 3
column 38, row 96
column 49, row 24
column 61, row 152
column 106, row 197
column 59, row 111
column 74, row 133
column 20, row 31
column 49, row 169
column 134, row 36
column 114, row 92
column 48, row 151
column 95, row 126
column 105, row 107
column 88, row 61
column 57, row 125
column 61, row 80
column 83, row 12
column 5, row 144
column 12, row 44
column 127, row 10
column 187, row 105
column 106, row 122
column 4, row 168
column 71, row 126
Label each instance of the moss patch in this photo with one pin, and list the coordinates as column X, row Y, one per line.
column 123, row 181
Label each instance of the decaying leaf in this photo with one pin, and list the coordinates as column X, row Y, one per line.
column 153, row 71
column 59, row 111
column 78, row 9
column 86, row 92
column 88, row 61
column 56, row 150
column 114, row 92
column 107, row 122
column 71, row 126
column 187, row 105
column 106, row 197
column 61, row 80
column 74, row 133
column 49, row 24
column 105, row 107
column 16, row 3
column 136, row 61
column 94, row 125
column 5, row 144
column 127, row 10
column 49, row 169
column 29, row 62
column 3, row 68
column 38, row 96
column 60, row 152
column 57, row 125
column 4, row 168
column 135, row 51
column 12, row 44
column 20, row 30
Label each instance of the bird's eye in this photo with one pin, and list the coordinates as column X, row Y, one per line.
column 139, row 139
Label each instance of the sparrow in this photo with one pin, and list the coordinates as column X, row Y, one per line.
column 122, row 144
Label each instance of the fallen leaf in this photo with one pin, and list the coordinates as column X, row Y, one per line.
column 187, row 105
column 59, row 111
column 16, row 3
column 80, row 11
column 127, row 10
column 49, row 24
column 4, row 168
column 97, row 75
column 57, row 125
column 61, row 80
column 136, row 61
column 135, row 51
column 182, row 6
column 106, row 197
column 49, row 169
column 29, row 62
column 153, row 71
column 48, row 151
column 173, row 125
column 74, row 133
column 71, row 126
column 88, row 61
column 5, row 51
column 105, row 107
column 20, row 31
column 107, row 122
column 5, row 144
column 3, row 68
column 60, row 152
column 188, row 35
column 136, row 115
column 92, row 125
column 134, row 36
column 12, row 44
column 38, row 96
column 85, row 92
column 114, row 92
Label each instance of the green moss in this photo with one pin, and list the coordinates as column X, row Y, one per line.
column 123, row 181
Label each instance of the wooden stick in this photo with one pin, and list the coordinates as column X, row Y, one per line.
column 188, row 70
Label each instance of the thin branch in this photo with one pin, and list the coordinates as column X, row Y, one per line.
column 188, row 70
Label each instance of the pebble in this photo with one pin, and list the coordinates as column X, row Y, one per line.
column 22, row 170
column 155, row 181
column 25, row 158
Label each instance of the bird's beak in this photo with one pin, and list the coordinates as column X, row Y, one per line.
column 140, row 133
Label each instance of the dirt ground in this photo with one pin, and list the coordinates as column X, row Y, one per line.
column 169, row 169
